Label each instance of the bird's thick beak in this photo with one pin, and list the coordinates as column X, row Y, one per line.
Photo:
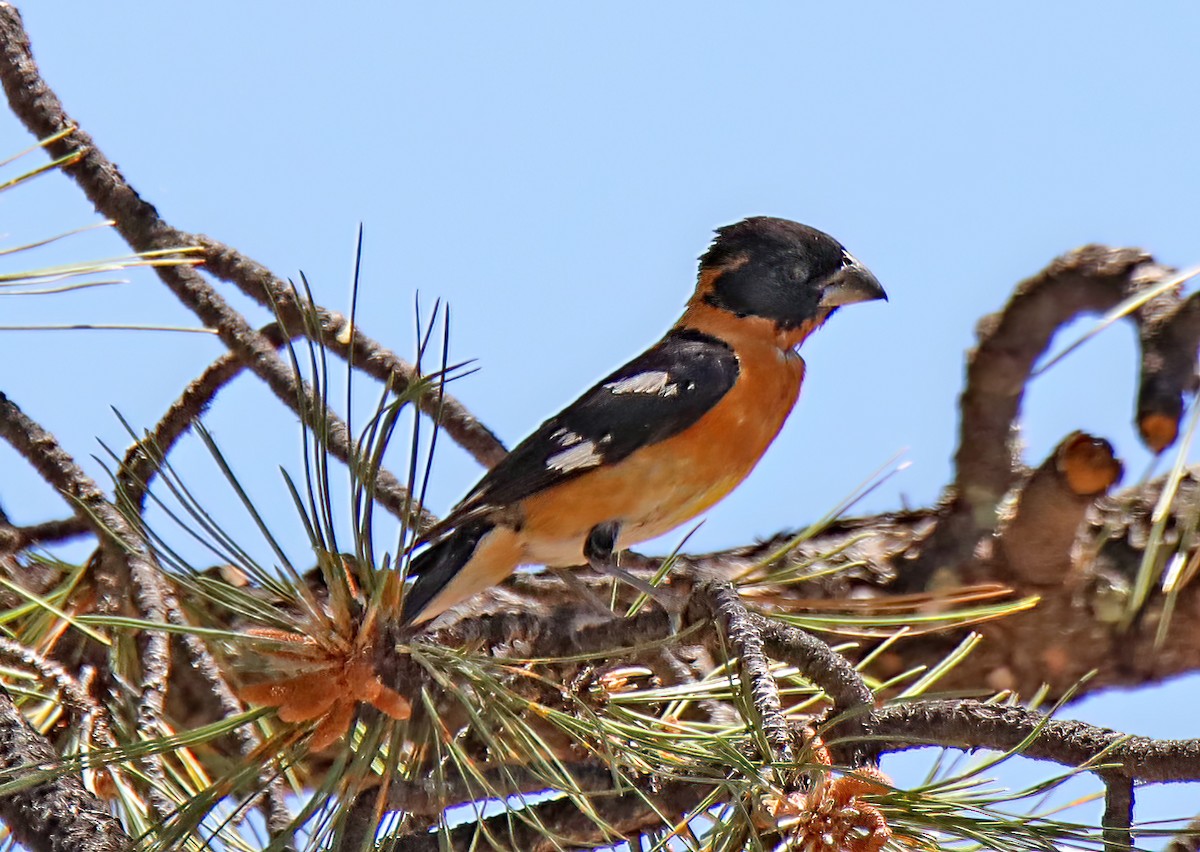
column 852, row 283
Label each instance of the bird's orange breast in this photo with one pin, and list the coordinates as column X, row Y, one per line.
column 659, row 487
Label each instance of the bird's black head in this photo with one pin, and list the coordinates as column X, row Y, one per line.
column 782, row 271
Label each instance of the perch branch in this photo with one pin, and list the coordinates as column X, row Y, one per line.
column 852, row 565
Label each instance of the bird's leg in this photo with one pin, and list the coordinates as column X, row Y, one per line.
column 599, row 549
column 601, row 542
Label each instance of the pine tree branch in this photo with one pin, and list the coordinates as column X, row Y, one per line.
column 54, row 813
column 15, row 539
column 719, row 604
column 970, row 725
column 123, row 554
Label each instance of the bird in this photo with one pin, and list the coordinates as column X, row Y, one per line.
column 660, row 440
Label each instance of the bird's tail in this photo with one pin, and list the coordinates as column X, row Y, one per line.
column 438, row 567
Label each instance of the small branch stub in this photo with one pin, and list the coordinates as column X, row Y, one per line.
column 1035, row 545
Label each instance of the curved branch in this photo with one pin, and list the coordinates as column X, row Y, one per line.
column 1169, row 349
column 1090, row 279
column 832, row 673
column 718, row 603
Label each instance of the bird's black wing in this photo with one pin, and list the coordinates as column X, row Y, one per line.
column 656, row 395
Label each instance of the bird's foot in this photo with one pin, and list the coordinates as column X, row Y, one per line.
column 600, row 550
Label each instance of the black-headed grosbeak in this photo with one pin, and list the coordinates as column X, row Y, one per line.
column 663, row 438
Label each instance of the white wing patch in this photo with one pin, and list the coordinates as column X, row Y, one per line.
column 565, row 437
column 581, row 454
column 655, row 381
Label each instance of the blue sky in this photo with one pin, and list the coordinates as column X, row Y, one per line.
column 552, row 171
